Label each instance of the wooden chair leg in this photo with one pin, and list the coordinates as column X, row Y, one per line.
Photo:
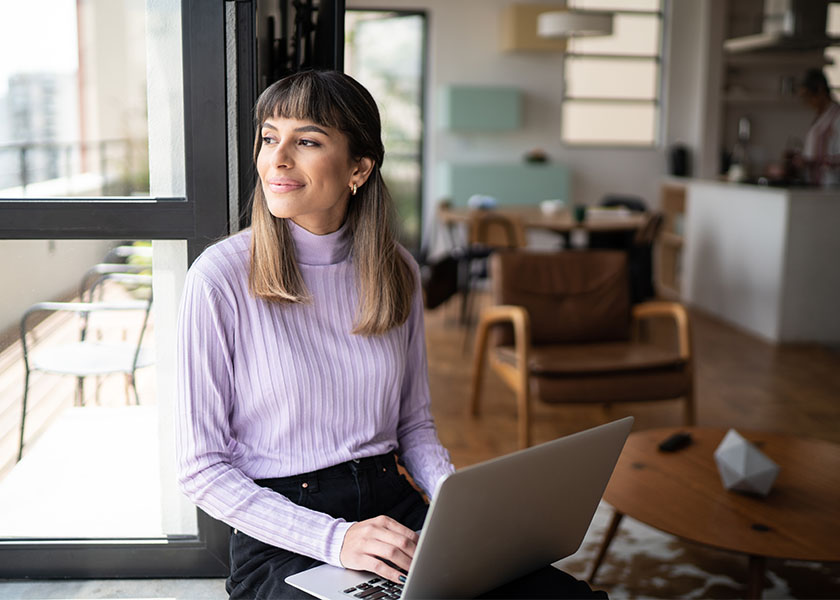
column 478, row 368
column 523, row 409
column 689, row 414
column 605, row 544
column 466, row 290
column 755, row 583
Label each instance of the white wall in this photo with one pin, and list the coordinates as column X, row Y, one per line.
column 464, row 47
column 42, row 270
column 686, row 64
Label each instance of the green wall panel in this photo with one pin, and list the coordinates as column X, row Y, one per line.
column 480, row 108
column 512, row 183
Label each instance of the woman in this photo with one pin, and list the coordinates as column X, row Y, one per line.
column 821, row 151
column 302, row 349
column 302, row 355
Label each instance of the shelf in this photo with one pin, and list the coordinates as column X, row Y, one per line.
column 767, row 99
column 773, row 61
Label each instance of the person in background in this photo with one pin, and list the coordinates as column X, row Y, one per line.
column 302, row 370
column 821, row 151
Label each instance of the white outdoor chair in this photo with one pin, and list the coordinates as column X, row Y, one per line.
column 86, row 357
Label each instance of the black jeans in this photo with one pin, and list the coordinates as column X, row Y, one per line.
column 355, row 491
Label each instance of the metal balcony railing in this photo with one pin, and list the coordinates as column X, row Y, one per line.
column 111, row 167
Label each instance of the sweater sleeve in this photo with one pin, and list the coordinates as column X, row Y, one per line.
column 205, row 443
column 419, row 448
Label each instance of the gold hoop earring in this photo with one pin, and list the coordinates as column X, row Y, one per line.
column 353, row 191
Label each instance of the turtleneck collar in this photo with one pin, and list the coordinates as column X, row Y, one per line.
column 313, row 249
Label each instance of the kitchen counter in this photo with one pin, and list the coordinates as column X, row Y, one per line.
column 765, row 258
column 798, row 189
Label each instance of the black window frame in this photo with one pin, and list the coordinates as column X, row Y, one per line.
column 200, row 217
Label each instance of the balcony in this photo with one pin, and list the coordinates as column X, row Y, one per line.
column 87, row 471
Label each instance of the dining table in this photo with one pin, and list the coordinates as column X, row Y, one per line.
column 593, row 222
column 567, row 223
column 559, row 221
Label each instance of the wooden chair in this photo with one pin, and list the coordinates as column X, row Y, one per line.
column 639, row 247
column 487, row 232
column 566, row 333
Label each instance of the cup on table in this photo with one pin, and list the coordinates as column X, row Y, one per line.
column 481, row 202
column 550, row 207
column 579, row 213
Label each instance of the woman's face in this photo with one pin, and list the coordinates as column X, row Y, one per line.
column 306, row 173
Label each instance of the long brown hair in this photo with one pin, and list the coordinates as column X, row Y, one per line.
column 385, row 279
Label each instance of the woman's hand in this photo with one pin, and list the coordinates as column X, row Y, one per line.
column 368, row 542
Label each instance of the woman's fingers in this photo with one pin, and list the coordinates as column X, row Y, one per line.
column 397, row 534
column 398, row 527
column 367, row 544
column 377, row 567
column 400, row 557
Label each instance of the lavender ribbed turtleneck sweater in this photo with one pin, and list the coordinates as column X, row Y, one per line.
column 271, row 390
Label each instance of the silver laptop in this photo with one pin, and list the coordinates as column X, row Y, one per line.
column 496, row 521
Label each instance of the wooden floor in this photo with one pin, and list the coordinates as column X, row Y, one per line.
column 741, row 382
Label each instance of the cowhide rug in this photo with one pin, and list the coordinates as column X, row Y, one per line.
column 645, row 563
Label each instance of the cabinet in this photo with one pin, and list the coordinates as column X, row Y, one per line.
column 508, row 183
column 480, row 108
column 764, row 259
column 669, row 245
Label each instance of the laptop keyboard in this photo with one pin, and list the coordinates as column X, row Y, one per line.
column 376, row 589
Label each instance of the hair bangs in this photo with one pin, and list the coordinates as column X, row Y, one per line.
column 301, row 98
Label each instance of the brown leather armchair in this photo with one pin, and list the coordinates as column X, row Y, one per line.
column 566, row 332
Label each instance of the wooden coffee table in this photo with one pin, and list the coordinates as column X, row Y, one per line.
column 681, row 493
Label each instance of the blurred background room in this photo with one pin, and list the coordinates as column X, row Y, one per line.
column 696, row 141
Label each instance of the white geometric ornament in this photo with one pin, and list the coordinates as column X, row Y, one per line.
column 743, row 467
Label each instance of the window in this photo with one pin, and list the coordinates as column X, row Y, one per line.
column 613, row 85
column 65, row 201
column 832, row 53
column 73, row 118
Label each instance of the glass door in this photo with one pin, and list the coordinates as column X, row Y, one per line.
column 386, row 50
column 108, row 111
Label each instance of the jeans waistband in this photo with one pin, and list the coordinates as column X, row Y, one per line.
column 380, row 464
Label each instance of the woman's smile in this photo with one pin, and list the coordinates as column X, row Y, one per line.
column 281, row 185
column 306, row 172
